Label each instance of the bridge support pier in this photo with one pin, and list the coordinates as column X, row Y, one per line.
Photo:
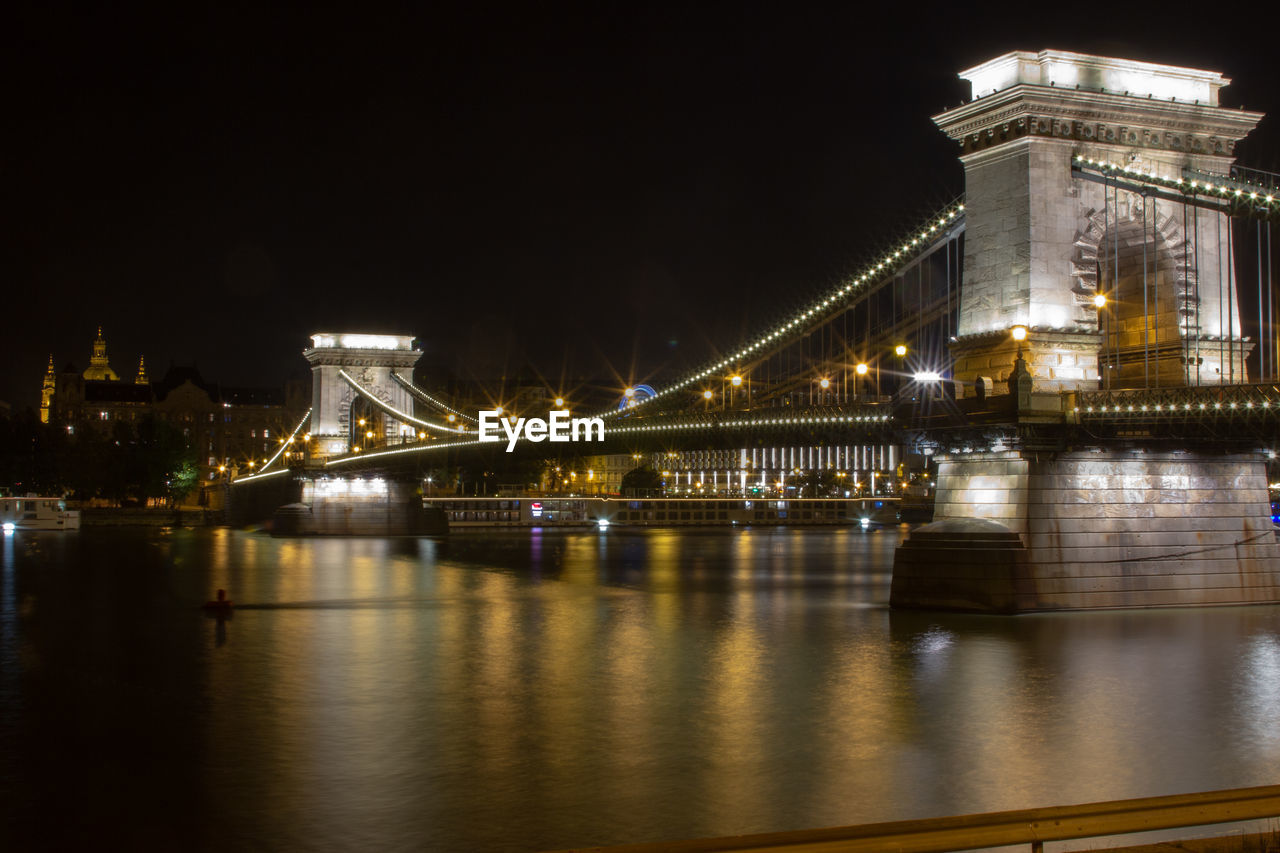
column 356, row 507
column 1020, row 531
column 306, row 506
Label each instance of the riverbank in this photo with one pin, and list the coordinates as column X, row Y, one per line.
column 150, row 517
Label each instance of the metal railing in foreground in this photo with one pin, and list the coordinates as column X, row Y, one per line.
column 998, row 829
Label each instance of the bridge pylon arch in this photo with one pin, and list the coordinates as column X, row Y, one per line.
column 1037, row 230
column 371, row 360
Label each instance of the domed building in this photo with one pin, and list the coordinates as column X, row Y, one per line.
column 99, row 370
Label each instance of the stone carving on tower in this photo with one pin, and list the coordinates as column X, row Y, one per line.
column 1043, row 242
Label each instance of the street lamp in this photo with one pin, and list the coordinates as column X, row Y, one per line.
column 1100, row 302
column 1019, row 334
column 861, row 369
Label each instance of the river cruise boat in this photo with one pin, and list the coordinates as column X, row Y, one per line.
column 663, row 512
column 37, row 513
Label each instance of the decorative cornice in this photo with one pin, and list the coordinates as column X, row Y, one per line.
column 391, row 359
column 1097, row 118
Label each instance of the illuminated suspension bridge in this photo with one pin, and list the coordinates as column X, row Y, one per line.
column 1085, row 344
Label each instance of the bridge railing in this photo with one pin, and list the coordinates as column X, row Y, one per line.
column 747, row 418
column 1180, row 401
column 996, row 829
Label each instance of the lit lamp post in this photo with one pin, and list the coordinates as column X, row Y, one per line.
column 861, row 369
column 1020, row 383
column 1100, row 302
column 735, row 381
column 901, row 352
column 1019, row 334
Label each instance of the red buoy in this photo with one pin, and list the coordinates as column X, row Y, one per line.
column 222, row 604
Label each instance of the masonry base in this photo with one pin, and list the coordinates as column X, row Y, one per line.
column 390, row 509
column 1092, row 529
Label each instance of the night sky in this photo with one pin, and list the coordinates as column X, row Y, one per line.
column 582, row 188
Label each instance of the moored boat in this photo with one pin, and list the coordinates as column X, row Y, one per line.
column 37, row 513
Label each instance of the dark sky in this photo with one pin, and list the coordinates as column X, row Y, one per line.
column 588, row 186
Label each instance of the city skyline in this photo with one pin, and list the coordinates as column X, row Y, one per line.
column 590, row 192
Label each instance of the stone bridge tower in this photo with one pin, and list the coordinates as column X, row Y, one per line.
column 1042, row 242
column 1049, row 525
column 337, row 408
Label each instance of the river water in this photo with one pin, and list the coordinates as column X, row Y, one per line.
column 528, row 690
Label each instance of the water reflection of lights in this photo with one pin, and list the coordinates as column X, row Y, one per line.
column 1262, row 674
column 936, row 639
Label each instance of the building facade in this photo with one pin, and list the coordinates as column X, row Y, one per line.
column 228, row 428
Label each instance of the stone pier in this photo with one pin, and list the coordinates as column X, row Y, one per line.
column 358, row 507
column 1089, row 529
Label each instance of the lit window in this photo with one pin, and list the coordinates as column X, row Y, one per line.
column 266, row 433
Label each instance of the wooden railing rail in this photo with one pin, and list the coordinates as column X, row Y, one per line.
column 996, row 829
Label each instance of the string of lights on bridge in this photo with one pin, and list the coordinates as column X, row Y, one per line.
column 414, row 389
column 835, row 299
column 794, row 421
column 1174, row 408
column 802, row 420
column 262, row 472
column 1224, row 188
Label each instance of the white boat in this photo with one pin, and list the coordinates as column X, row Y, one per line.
column 37, row 513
